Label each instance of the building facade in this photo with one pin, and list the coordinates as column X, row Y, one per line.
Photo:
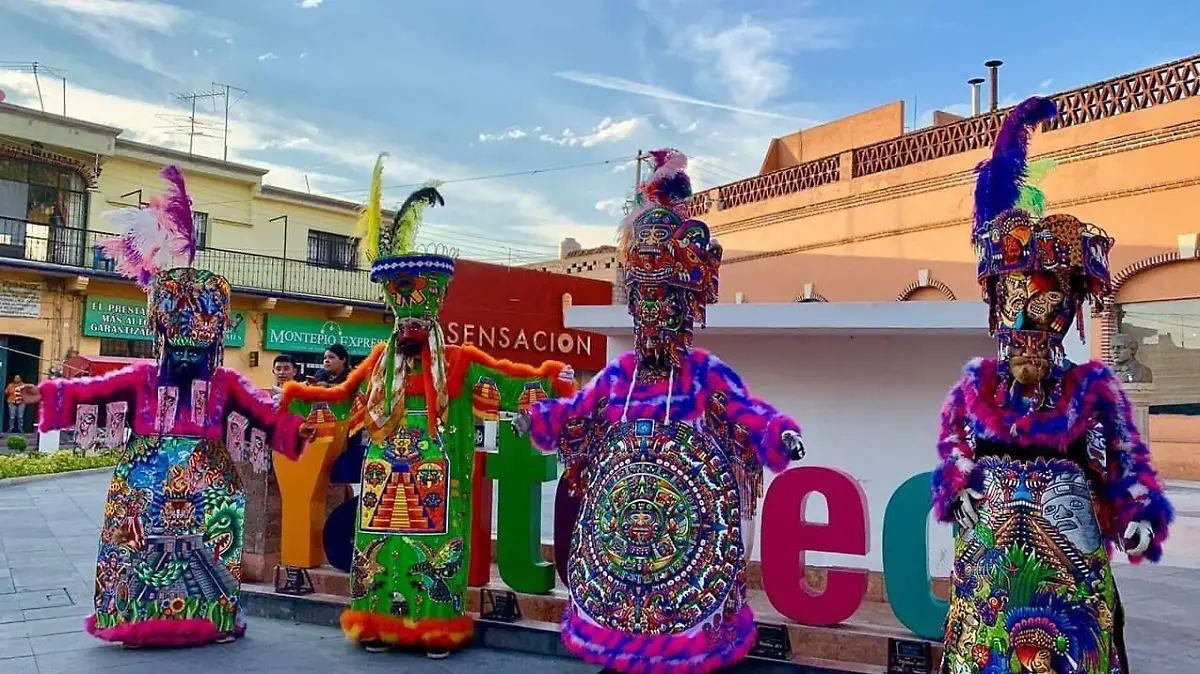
column 298, row 277
column 858, row 210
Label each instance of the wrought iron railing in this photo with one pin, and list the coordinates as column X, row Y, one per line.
column 1120, row 95
column 80, row 249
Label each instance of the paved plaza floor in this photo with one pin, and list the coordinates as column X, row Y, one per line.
column 48, row 534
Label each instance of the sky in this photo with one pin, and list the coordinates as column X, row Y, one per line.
column 532, row 111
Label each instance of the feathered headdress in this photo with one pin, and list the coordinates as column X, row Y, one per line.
column 1002, row 179
column 668, row 187
column 400, row 237
column 158, row 237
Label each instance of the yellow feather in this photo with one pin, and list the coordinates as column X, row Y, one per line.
column 370, row 216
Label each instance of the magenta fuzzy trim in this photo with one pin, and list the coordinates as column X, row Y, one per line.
column 1092, row 397
column 161, row 632
column 697, row 653
column 700, row 375
column 140, row 382
column 60, row 396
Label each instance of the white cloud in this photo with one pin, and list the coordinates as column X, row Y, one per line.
column 1045, row 84
column 337, row 165
column 511, row 134
column 311, row 4
column 641, row 89
column 267, row 56
column 196, row 53
column 116, row 26
column 744, row 59
column 606, row 131
column 614, row 207
column 303, row 54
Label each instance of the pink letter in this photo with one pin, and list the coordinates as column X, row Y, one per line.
column 786, row 536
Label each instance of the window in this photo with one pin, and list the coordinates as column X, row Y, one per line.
column 126, row 348
column 42, row 194
column 1165, row 340
column 332, row 250
column 200, row 224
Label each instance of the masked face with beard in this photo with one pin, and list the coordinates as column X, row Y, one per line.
column 411, row 335
column 1034, row 315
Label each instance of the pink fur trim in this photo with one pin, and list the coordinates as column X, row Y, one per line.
column 160, row 632
column 699, row 653
column 60, row 396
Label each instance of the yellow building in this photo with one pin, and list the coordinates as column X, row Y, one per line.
column 291, row 257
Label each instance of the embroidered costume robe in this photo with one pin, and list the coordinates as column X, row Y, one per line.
column 1032, row 586
column 670, row 479
column 412, row 533
column 168, row 571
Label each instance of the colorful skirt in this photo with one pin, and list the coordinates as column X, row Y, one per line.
column 1033, row 591
column 170, row 562
column 657, row 566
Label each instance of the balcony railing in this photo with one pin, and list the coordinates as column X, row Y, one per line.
column 80, row 249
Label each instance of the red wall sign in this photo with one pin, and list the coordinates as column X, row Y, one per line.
column 517, row 314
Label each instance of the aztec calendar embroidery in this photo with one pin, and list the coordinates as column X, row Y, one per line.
column 660, row 554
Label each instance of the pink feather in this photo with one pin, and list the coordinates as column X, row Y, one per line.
column 175, row 207
column 156, row 238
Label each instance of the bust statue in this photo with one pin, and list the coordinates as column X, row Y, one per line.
column 1125, row 363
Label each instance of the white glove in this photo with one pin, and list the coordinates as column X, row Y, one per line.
column 794, row 444
column 521, row 424
column 1141, row 533
column 964, row 508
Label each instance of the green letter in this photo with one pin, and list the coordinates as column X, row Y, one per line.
column 905, row 523
column 519, row 472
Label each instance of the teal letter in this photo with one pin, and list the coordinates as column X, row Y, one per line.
column 905, row 523
column 519, row 472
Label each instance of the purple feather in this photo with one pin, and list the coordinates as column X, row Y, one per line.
column 176, row 209
column 998, row 185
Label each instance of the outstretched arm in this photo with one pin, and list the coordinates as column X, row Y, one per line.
column 956, row 470
column 1132, row 485
column 59, row 398
column 550, row 420
column 301, row 398
column 769, row 428
column 240, row 396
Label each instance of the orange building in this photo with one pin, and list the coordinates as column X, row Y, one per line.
column 857, row 209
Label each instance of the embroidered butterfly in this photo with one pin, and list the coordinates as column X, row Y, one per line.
column 433, row 570
column 365, row 568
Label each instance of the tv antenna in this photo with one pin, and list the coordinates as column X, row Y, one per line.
column 37, row 70
column 190, row 121
column 226, row 90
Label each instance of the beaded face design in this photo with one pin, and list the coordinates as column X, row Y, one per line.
column 671, row 274
column 189, row 312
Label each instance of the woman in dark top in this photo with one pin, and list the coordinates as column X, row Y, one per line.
column 337, row 366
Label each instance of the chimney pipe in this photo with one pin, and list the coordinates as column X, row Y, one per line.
column 975, row 82
column 994, row 67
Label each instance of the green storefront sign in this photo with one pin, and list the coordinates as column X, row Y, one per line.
column 313, row 335
column 117, row 318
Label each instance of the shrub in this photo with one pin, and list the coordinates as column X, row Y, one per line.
column 16, row 443
column 22, row 465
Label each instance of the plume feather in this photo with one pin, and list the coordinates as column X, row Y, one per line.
column 403, row 235
column 152, row 239
column 371, row 214
column 999, row 181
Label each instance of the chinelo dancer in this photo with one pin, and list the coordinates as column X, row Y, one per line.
column 1042, row 466
column 411, row 409
column 667, row 446
column 169, row 566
